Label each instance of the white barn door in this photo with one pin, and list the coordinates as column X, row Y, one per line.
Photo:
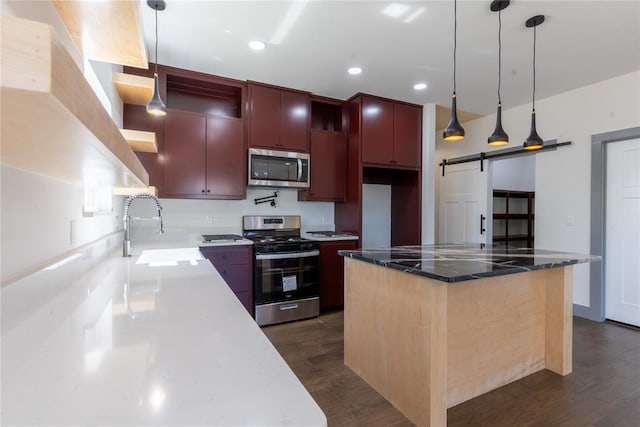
column 622, row 241
column 463, row 204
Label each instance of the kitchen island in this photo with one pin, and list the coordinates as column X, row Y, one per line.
column 430, row 327
column 153, row 339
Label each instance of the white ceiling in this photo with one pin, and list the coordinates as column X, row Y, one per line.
column 581, row 42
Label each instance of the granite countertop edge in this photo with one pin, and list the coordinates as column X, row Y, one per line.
column 462, row 277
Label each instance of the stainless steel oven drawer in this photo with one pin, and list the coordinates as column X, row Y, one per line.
column 278, row 312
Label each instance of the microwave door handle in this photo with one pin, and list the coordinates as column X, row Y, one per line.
column 299, row 170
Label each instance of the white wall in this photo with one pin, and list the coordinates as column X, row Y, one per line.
column 376, row 216
column 516, row 173
column 428, row 169
column 227, row 214
column 562, row 177
column 39, row 213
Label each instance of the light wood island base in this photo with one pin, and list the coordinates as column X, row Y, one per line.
column 427, row 345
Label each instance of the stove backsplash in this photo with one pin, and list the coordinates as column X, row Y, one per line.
column 226, row 215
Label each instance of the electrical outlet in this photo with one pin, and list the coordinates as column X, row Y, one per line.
column 571, row 220
column 209, row 219
column 116, row 222
column 72, row 232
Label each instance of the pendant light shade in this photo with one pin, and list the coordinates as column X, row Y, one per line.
column 499, row 136
column 156, row 107
column 454, row 131
column 533, row 141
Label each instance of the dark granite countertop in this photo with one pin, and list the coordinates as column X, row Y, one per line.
column 457, row 263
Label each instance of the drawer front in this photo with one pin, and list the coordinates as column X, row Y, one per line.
column 237, row 276
column 227, row 255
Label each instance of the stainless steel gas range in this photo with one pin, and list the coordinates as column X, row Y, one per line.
column 286, row 269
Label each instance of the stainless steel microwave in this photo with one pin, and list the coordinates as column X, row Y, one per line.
column 271, row 168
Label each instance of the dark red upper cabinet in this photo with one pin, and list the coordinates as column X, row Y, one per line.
column 391, row 133
column 226, row 158
column 328, row 150
column 264, row 116
column 278, row 118
column 377, row 131
column 294, row 121
column 204, row 156
column 328, row 166
column 184, row 148
column 407, row 135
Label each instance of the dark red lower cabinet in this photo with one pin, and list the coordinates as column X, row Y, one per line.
column 235, row 265
column 332, row 273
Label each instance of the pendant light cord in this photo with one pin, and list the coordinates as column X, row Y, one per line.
column 156, row 8
column 499, row 55
column 533, row 102
column 455, row 41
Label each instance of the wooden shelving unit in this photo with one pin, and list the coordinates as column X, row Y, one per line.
column 513, row 218
column 52, row 122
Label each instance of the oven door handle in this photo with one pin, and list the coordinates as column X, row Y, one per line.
column 287, row 255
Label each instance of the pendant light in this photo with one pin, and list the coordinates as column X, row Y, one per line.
column 156, row 107
column 499, row 136
column 454, row 131
column 533, row 141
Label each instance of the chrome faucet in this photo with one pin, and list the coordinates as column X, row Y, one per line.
column 126, row 244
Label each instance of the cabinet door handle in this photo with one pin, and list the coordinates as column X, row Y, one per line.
column 202, row 191
column 208, row 191
column 482, row 229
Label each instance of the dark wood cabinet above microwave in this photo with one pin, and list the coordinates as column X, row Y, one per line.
column 279, row 118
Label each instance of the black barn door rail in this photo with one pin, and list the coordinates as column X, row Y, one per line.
column 506, row 152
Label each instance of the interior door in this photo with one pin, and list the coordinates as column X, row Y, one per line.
column 622, row 241
column 463, row 209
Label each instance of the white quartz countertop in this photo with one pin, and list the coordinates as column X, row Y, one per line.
column 112, row 341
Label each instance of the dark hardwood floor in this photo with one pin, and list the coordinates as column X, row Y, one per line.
column 602, row 391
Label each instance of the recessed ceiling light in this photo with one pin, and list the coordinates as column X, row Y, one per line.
column 355, row 70
column 420, row 86
column 257, row 45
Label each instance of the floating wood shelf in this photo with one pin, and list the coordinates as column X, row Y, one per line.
column 52, row 122
column 141, row 141
column 107, row 31
column 136, row 90
column 127, row 191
